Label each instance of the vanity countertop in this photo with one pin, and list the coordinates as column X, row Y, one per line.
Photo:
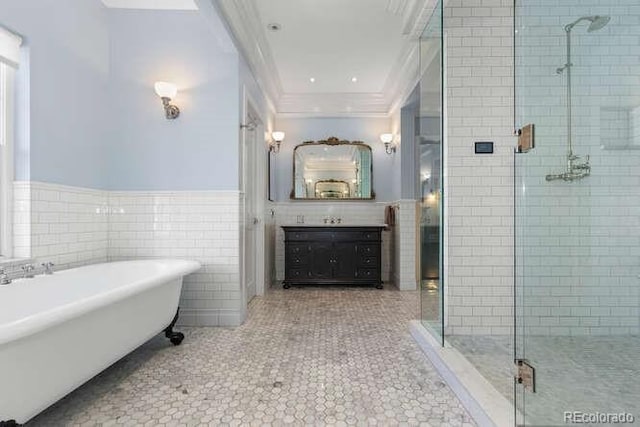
column 322, row 225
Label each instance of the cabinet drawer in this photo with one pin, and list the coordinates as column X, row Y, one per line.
column 368, row 261
column 367, row 273
column 297, row 260
column 368, row 250
column 359, row 236
column 297, row 274
column 310, row 236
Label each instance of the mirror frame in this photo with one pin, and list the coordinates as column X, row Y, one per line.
column 331, row 141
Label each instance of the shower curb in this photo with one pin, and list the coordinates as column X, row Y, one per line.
column 485, row 404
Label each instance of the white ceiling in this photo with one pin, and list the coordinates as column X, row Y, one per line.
column 331, row 41
column 151, row 4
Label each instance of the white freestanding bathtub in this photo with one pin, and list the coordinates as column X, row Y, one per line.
column 58, row 331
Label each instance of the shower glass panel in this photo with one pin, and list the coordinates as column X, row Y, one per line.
column 429, row 153
column 577, row 221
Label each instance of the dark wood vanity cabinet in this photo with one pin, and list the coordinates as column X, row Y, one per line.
column 333, row 255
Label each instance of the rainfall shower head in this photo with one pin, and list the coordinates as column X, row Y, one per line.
column 597, row 22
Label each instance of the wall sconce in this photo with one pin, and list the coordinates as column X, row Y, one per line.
column 387, row 139
column 168, row 91
column 277, row 137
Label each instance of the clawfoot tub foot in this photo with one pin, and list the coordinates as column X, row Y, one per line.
column 10, row 423
column 175, row 337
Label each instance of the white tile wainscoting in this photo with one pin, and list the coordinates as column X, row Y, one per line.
column 65, row 225
column 73, row 226
column 199, row 225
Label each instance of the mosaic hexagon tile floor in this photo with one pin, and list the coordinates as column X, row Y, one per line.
column 305, row 356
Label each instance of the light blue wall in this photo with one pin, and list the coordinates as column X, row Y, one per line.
column 409, row 154
column 367, row 130
column 89, row 116
column 68, row 45
column 197, row 151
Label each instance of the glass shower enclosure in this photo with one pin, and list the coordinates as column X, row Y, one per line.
column 577, row 213
column 429, row 154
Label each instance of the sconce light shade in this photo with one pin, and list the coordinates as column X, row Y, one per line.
column 277, row 138
column 167, row 91
column 387, row 139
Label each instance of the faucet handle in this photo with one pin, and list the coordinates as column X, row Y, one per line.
column 48, row 267
column 4, row 277
column 27, row 271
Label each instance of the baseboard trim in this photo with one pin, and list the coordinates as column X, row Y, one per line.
column 212, row 317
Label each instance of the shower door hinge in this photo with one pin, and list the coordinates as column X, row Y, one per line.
column 526, row 138
column 526, row 375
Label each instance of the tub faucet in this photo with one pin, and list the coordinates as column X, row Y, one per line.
column 48, row 267
column 4, row 277
column 28, row 271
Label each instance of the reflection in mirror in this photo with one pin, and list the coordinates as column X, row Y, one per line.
column 332, row 189
column 332, row 169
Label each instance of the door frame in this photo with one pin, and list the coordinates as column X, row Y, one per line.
column 249, row 107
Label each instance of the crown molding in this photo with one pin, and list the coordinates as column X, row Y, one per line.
column 417, row 17
column 337, row 104
column 243, row 22
column 404, row 77
column 151, row 4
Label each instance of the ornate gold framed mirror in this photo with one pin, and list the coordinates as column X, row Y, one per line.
column 332, row 169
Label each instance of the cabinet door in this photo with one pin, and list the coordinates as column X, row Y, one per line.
column 297, row 254
column 321, row 258
column 345, row 261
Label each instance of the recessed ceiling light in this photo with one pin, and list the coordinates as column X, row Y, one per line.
column 312, row 79
column 274, row 26
column 354, row 79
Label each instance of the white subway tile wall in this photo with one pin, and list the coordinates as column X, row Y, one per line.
column 581, row 240
column 64, row 225
column 73, row 226
column 634, row 118
column 203, row 226
column 479, row 188
column 406, row 242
